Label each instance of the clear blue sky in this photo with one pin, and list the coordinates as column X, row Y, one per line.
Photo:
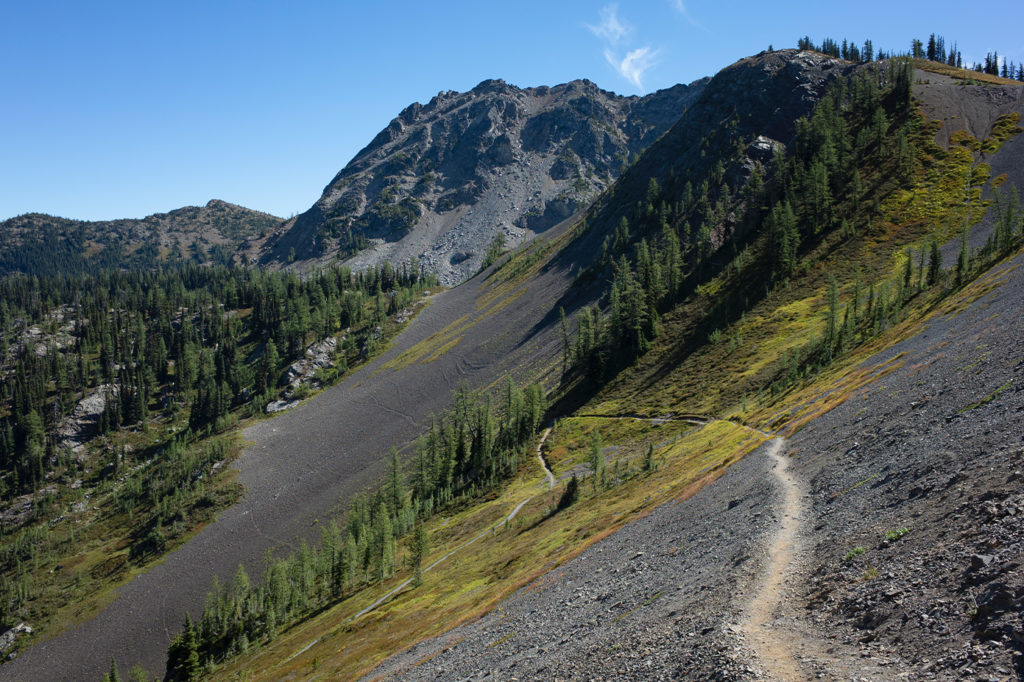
column 114, row 110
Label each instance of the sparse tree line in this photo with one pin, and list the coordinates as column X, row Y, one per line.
column 158, row 498
column 477, row 444
column 934, row 50
column 863, row 140
column 869, row 310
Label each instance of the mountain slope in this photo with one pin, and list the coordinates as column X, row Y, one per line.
column 752, row 359
column 906, row 563
column 443, row 179
column 662, row 595
column 38, row 244
column 301, row 464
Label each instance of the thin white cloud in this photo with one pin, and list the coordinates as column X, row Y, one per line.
column 685, row 14
column 610, row 30
column 634, row 64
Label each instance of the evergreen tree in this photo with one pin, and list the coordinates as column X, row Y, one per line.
column 113, row 675
column 963, row 260
column 419, row 546
column 934, row 263
column 596, row 457
column 183, row 655
column 832, row 321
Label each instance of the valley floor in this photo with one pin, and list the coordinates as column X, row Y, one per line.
column 303, row 466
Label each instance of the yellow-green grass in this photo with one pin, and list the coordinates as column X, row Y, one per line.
column 962, row 74
column 475, row 580
column 429, row 345
column 947, row 194
column 850, row 374
column 745, row 355
column 522, row 266
column 1004, row 128
column 682, row 373
column 491, row 302
column 630, row 436
column 437, row 354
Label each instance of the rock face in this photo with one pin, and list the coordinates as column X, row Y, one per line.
column 39, row 244
column 318, row 356
column 80, row 426
column 444, row 178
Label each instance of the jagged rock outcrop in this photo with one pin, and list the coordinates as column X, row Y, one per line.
column 444, row 178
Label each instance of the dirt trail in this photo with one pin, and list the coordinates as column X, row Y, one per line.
column 548, row 476
column 774, row 647
column 783, row 642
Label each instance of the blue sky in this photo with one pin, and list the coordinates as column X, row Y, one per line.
column 112, row 110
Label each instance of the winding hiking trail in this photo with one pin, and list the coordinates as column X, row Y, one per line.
column 785, row 644
column 772, row 646
column 548, row 476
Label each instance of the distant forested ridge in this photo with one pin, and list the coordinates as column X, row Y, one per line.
column 45, row 245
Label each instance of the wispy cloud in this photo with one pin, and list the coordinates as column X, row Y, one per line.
column 685, row 14
column 634, row 64
column 612, row 31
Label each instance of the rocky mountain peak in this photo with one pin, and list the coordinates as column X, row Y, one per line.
column 444, row 178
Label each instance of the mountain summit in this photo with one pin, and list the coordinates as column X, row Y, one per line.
column 443, row 179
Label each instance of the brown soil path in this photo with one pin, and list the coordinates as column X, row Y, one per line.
column 772, row 646
column 549, row 477
column 774, row 624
